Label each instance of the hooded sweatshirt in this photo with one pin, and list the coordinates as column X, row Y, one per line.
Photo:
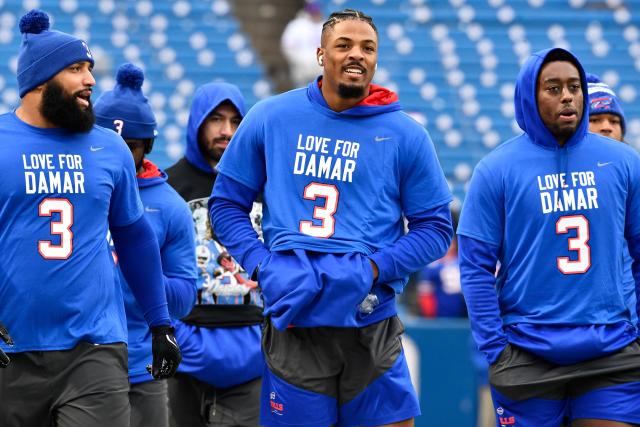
column 555, row 218
column 220, row 337
column 335, row 188
column 192, row 176
column 171, row 221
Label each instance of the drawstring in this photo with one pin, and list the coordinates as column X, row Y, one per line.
column 564, row 160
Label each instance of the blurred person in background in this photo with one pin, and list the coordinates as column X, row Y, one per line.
column 438, row 294
column 438, row 289
column 300, row 39
column 606, row 116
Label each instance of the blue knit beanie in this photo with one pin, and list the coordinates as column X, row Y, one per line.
column 125, row 109
column 603, row 100
column 44, row 53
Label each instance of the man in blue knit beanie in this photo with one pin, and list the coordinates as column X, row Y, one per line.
column 605, row 112
column 43, row 54
column 125, row 110
column 65, row 183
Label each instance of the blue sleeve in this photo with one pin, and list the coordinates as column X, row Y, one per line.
column 125, row 206
column 178, row 261
column 428, row 239
column 139, row 257
column 632, row 225
column 229, row 208
column 181, row 295
column 422, row 182
column 482, row 215
column 478, row 262
column 634, row 250
column 244, row 158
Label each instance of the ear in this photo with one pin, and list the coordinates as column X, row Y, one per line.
column 320, row 56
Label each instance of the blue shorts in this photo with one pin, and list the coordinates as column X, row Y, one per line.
column 528, row 391
column 336, row 376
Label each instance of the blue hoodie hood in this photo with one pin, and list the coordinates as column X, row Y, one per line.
column 206, row 99
column 526, row 102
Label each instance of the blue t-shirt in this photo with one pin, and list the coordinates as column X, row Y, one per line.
column 346, row 178
column 60, row 192
column 333, row 183
column 558, row 215
column 170, row 219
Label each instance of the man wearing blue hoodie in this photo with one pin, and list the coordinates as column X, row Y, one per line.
column 552, row 206
column 219, row 380
column 126, row 110
column 340, row 166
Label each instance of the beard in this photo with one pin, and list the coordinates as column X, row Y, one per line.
column 209, row 149
column 63, row 110
column 563, row 132
column 350, row 91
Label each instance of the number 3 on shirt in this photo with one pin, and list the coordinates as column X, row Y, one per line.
column 322, row 213
column 579, row 244
column 60, row 228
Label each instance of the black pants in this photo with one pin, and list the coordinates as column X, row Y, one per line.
column 84, row 386
column 149, row 404
column 194, row 403
column 520, row 375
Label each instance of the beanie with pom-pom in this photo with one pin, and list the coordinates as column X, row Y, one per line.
column 44, row 52
column 603, row 100
column 125, row 109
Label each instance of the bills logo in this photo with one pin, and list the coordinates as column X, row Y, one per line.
column 602, row 103
column 507, row 421
column 276, row 408
column 86, row 48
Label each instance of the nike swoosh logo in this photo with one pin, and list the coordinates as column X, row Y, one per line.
column 148, row 209
column 603, row 164
column 92, row 148
column 172, row 341
column 381, row 138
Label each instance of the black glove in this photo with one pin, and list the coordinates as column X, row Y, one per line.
column 166, row 353
column 4, row 335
